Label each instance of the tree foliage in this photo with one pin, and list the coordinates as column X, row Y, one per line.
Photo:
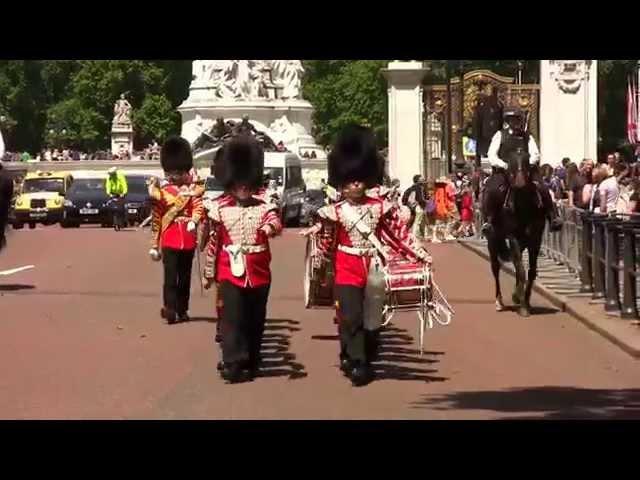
column 78, row 96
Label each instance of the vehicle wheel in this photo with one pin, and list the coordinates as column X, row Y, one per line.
column 18, row 226
column 32, row 226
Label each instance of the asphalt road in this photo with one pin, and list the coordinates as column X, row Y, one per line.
column 81, row 338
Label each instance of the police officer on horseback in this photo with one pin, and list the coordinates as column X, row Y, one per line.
column 512, row 138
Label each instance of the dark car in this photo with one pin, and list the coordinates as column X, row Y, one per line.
column 86, row 202
column 137, row 202
column 313, row 201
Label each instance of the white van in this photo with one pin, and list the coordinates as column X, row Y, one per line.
column 286, row 169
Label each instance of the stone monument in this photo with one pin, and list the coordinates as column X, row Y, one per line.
column 406, row 151
column 122, row 128
column 568, row 110
column 269, row 92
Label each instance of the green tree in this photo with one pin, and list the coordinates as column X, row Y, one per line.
column 81, row 126
column 343, row 92
column 156, row 119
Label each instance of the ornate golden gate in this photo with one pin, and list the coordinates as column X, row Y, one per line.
column 464, row 100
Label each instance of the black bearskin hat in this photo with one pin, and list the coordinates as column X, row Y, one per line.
column 175, row 155
column 355, row 157
column 240, row 161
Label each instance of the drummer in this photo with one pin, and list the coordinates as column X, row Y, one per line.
column 365, row 238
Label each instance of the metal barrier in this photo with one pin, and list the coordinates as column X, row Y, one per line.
column 601, row 250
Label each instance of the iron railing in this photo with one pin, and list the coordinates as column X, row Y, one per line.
column 600, row 250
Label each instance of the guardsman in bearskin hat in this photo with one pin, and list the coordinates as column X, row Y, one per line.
column 177, row 209
column 513, row 137
column 238, row 255
column 364, row 239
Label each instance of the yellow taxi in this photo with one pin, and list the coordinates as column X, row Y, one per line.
column 41, row 199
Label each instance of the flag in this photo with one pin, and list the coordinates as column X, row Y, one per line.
column 632, row 113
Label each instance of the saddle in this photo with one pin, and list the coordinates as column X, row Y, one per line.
column 508, row 200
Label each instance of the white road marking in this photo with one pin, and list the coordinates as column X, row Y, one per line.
column 15, row 270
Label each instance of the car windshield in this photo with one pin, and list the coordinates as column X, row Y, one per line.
column 87, row 185
column 137, row 185
column 212, row 183
column 32, row 185
column 274, row 173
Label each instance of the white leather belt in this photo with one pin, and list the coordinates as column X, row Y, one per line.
column 360, row 252
column 252, row 248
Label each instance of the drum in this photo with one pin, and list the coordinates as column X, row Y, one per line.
column 318, row 277
column 410, row 288
column 408, row 285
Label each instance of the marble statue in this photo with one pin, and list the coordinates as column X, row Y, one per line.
column 122, row 112
column 288, row 74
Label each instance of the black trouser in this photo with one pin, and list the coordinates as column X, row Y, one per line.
column 177, row 279
column 244, row 314
column 117, row 210
column 356, row 343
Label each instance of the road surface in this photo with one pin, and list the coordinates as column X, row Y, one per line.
column 81, row 338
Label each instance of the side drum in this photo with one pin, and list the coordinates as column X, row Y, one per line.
column 318, row 277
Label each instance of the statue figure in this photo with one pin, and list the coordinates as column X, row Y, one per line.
column 244, row 127
column 122, row 112
column 243, row 77
column 288, row 74
column 225, row 79
column 218, row 133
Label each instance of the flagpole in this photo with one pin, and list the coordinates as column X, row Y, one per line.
column 637, row 92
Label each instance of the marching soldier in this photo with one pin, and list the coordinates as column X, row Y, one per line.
column 238, row 256
column 177, row 210
column 362, row 224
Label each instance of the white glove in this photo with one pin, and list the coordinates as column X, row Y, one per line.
column 155, row 254
column 191, row 226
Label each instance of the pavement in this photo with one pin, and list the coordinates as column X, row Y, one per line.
column 81, row 338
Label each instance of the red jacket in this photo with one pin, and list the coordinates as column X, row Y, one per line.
column 232, row 224
column 353, row 269
column 174, row 235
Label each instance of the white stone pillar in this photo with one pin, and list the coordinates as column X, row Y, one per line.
column 405, row 120
column 568, row 110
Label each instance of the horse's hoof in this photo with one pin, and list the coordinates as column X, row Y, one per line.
column 523, row 312
column 499, row 307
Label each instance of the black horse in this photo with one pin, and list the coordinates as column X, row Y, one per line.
column 519, row 226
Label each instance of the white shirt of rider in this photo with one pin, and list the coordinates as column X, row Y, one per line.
column 494, row 147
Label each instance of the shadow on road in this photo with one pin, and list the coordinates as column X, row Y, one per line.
column 14, row 287
column 534, row 310
column 277, row 359
column 550, row 403
column 399, row 359
column 203, row 319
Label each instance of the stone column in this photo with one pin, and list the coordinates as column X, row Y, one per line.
column 405, row 120
column 568, row 110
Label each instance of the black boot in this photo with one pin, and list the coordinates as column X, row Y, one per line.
column 232, row 373
column 183, row 317
column 360, row 374
column 345, row 365
column 169, row 315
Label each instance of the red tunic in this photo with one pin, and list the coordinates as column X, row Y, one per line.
column 352, row 269
column 175, row 236
column 232, row 224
